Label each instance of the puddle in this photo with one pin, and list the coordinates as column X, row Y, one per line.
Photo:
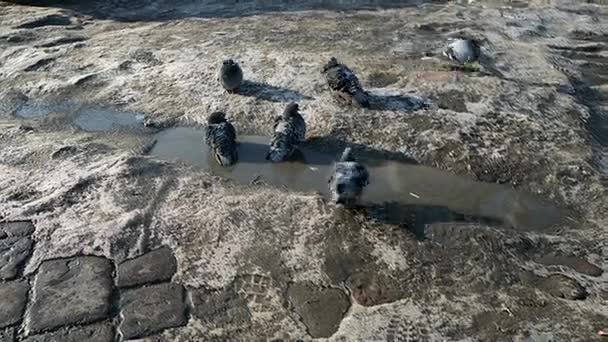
column 86, row 118
column 406, row 184
column 103, row 119
column 32, row 110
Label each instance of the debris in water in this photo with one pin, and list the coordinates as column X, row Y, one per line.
column 414, row 195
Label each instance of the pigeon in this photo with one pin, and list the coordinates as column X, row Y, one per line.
column 231, row 76
column 221, row 138
column 463, row 51
column 289, row 131
column 345, row 83
column 349, row 178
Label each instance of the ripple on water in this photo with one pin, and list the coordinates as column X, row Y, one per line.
column 407, row 185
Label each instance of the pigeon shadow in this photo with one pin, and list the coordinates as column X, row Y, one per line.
column 401, row 103
column 415, row 218
column 321, row 151
column 256, row 152
column 268, row 92
column 333, row 147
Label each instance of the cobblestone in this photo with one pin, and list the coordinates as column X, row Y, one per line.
column 100, row 332
column 155, row 266
column 13, row 296
column 15, row 247
column 17, row 228
column 151, row 309
column 70, row 291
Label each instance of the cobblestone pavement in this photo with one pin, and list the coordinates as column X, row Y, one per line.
column 86, row 298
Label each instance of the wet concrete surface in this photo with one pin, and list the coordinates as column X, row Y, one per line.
column 240, row 247
column 392, row 183
column 222, row 308
column 591, row 85
column 557, row 285
column 320, row 309
column 15, row 247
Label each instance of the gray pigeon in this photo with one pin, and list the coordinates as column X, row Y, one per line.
column 463, row 51
column 289, row 131
column 349, row 178
column 345, row 83
column 221, row 139
column 231, row 76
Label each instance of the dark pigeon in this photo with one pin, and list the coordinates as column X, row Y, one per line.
column 221, row 139
column 289, row 131
column 349, row 178
column 463, row 51
column 345, row 83
column 231, row 76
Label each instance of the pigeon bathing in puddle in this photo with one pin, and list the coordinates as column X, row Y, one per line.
column 221, row 139
column 345, row 83
column 231, row 76
column 288, row 132
column 463, row 51
column 349, row 178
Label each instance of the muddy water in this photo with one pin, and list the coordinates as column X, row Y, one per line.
column 87, row 118
column 405, row 184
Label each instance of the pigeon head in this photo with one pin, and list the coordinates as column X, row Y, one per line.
column 291, row 110
column 228, row 62
column 216, row 118
column 347, row 155
column 332, row 63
